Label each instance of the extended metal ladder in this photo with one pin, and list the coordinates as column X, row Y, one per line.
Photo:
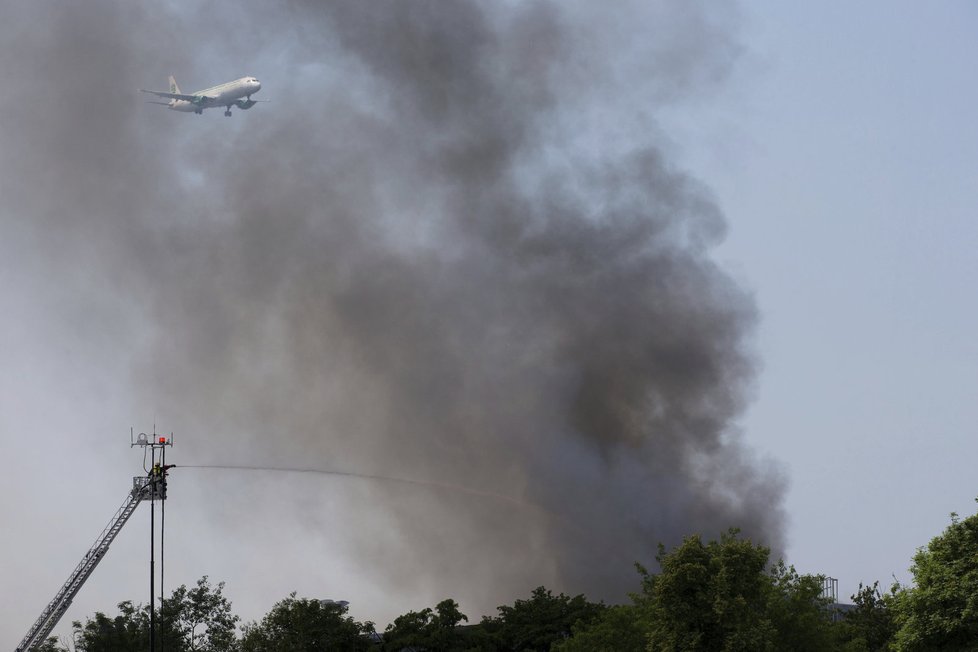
column 143, row 488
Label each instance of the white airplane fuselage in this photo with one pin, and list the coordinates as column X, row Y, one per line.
column 221, row 95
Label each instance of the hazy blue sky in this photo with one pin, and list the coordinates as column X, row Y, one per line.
column 847, row 164
column 838, row 140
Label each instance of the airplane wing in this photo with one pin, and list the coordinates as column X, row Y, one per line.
column 196, row 99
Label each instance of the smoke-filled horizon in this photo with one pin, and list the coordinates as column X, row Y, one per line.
column 454, row 247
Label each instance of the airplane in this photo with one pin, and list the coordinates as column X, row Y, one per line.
column 226, row 95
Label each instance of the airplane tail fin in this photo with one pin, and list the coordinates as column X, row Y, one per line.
column 173, row 85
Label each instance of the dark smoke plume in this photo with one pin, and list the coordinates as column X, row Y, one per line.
column 453, row 248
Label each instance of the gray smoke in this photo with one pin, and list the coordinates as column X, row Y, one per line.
column 453, row 249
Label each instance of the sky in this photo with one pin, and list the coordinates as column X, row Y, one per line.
column 638, row 274
column 850, row 190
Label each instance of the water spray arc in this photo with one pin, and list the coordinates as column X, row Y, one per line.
column 570, row 526
column 443, row 486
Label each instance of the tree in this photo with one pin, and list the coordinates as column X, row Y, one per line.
column 307, row 625
column 616, row 629
column 433, row 631
column 51, row 644
column 125, row 632
column 540, row 621
column 721, row 596
column 871, row 624
column 197, row 619
column 941, row 610
column 798, row 611
column 710, row 596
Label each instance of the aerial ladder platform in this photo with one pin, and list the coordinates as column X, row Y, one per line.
column 149, row 487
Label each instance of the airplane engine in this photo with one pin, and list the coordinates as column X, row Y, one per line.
column 245, row 104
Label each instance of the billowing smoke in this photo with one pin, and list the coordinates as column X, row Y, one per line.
column 453, row 248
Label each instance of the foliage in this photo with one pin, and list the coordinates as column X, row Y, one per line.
column 871, row 624
column 434, row 631
column 191, row 620
column 941, row 610
column 797, row 611
column 125, row 632
column 540, row 621
column 616, row 629
column 306, row 625
column 716, row 596
column 710, row 597
column 51, row 644
column 199, row 619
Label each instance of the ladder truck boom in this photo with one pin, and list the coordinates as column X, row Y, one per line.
column 143, row 488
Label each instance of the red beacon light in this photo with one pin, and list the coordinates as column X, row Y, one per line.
column 153, row 441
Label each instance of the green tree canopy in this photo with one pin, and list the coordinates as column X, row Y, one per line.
column 871, row 624
column 430, row 630
column 711, row 596
column 191, row 620
column 540, row 621
column 127, row 631
column 307, row 625
column 616, row 629
column 51, row 644
column 940, row 612
column 714, row 596
column 198, row 619
column 798, row 613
